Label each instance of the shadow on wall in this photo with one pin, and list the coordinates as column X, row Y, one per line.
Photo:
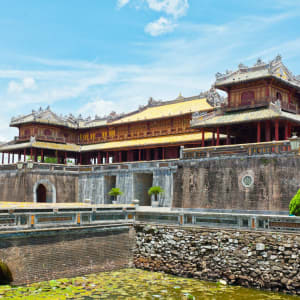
column 44, row 192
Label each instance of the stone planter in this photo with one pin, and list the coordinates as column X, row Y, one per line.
column 155, row 203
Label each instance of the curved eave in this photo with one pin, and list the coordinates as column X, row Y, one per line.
column 223, row 86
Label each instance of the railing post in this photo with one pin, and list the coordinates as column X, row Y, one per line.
column 181, row 155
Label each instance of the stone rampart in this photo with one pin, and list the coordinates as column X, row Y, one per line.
column 19, row 185
column 265, row 182
column 259, row 259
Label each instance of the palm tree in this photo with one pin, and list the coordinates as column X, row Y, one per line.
column 155, row 190
column 115, row 192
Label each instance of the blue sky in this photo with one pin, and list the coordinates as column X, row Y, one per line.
column 95, row 56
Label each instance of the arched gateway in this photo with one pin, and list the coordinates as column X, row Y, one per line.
column 44, row 192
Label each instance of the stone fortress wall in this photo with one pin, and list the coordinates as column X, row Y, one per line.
column 266, row 182
column 241, row 183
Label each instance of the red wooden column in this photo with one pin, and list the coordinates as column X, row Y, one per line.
column 19, row 156
column 42, row 155
column 120, row 156
column 24, row 155
column 276, row 130
column 163, row 152
column 107, row 158
column 268, row 131
column 35, row 155
column 3, row 158
column 80, row 159
column 227, row 136
column 66, row 159
column 258, row 132
column 203, row 138
column 155, row 154
column 148, row 154
column 31, row 153
column 140, row 154
column 57, row 157
column 99, row 158
column 218, row 136
column 286, row 130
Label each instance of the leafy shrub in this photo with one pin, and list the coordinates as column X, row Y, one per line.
column 294, row 206
column 155, row 190
column 115, row 192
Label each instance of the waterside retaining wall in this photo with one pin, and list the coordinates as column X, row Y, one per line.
column 48, row 254
column 259, row 259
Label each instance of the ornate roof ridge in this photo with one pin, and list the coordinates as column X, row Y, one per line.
column 47, row 115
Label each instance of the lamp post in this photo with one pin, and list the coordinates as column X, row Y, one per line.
column 295, row 142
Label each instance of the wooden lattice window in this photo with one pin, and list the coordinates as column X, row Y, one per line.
column 247, row 97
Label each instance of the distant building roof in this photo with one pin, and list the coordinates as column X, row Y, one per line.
column 166, row 110
column 153, row 110
column 274, row 68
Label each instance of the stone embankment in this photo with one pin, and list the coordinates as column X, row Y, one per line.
column 264, row 260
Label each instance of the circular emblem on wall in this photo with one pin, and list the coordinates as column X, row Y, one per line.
column 247, row 180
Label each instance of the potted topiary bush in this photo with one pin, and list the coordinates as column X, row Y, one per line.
column 155, row 190
column 115, row 192
column 294, row 206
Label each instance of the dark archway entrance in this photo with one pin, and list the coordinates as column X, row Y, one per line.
column 5, row 274
column 41, row 194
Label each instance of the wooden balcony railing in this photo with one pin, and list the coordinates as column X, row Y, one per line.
column 236, row 150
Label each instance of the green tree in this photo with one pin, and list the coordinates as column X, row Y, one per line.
column 155, row 190
column 294, row 206
column 115, row 192
column 50, row 160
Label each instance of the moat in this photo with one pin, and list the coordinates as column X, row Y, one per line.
column 133, row 284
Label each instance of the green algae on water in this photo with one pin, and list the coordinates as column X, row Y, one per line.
column 134, row 284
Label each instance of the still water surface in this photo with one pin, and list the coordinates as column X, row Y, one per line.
column 133, row 284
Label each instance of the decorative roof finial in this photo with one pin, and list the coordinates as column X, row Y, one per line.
column 180, row 96
column 278, row 58
column 242, row 66
column 259, row 62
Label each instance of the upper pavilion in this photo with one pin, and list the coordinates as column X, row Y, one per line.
column 263, row 104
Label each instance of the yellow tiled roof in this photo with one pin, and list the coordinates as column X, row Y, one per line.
column 54, row 146
column 167, row 110
column 161, row 140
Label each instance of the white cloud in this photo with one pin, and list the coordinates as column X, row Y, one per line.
column 99, row 107
column 28, row 83
column 172, row 8
column 176, row 8
column 122, row 3
column 160, row 26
